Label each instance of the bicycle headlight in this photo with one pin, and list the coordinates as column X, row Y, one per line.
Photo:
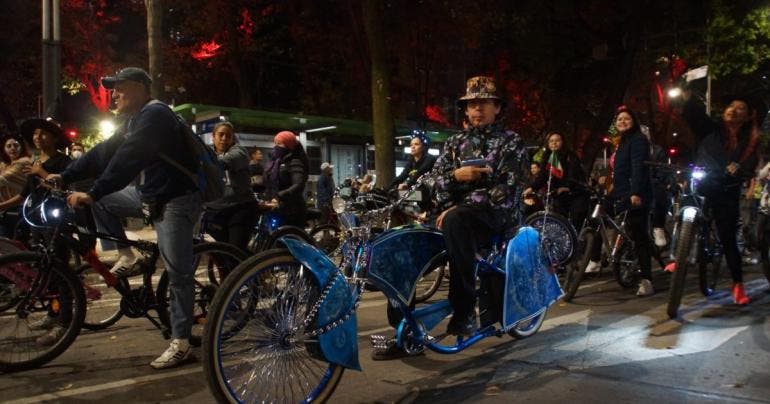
column 698, row 174
column 53, row 210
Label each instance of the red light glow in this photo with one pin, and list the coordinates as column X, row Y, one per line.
column 206, row 50
column 435, row 114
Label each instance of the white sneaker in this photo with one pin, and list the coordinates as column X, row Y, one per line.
column 593, row 267
column 660, row 236
column 645, row 288
column 123, row 267
column 45, row 323
column 176, row 354
column 51, row 337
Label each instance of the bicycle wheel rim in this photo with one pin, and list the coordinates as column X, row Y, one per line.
column 258, row 354
column 59, row 299
column 102, row 301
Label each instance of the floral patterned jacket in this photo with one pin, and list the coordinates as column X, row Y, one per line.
column 503, row 150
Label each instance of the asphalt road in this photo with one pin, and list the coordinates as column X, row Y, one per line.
column 605, row 346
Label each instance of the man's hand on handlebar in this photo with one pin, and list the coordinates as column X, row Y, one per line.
column 470, row 173
column 79, row 199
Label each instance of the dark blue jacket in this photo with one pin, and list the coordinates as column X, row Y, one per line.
column 134, row 152
column 630, row 175
column 710, row 136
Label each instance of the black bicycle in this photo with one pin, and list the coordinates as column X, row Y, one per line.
column 696, row 242
column 44, row 301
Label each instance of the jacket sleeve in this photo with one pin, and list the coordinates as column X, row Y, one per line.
column 639, row 151
column 153, row 126
column 298, row 178
column 235, row 159
column 427, row 163
column 93, row 162
column 695, row 114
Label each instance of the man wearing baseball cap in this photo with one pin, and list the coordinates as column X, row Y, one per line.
column 150, row 129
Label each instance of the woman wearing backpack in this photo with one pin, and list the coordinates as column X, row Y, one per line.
column 285, row 178
column 231, row 218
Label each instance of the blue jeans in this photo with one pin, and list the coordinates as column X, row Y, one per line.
column 174, row 230
column 109, row 210
column 175, row 241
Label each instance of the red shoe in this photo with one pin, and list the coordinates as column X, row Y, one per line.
column 739, row 294
column 670, row 267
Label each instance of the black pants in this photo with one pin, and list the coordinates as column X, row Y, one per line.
column 574, row 205
column 661, row 202
column 466, row 230
column 763, row 237
column 234, row 224
column 725, row 209
column 636, row 222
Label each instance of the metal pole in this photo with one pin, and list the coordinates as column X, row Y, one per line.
column 708, row 92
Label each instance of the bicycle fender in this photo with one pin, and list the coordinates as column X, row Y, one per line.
column 530, row 286
column 339, row 345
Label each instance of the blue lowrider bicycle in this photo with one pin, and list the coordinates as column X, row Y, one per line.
column 283, row 327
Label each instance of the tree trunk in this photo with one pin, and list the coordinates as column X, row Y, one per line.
column 382, row 117
column 154, row 45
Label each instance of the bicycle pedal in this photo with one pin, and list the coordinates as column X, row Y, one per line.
column 380, row 341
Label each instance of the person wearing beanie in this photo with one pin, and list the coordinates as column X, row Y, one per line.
column 285, row 178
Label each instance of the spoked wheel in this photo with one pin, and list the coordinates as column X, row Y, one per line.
column 576, row 269
column 258, row 347
column 709, row 266
column 527, row 328
column 44, row 311
column 683, row 250
column 557, row 236
column 102, row 301
column 626, row 266
column 326, row 237
column 431, row 279
column 213, row 261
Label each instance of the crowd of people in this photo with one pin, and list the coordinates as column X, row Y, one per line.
column 479, row 179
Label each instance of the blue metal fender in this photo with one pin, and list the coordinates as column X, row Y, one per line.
column 530, row 286
column 340, row 344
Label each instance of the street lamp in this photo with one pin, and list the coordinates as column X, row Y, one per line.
column 674, row 92
column 106, row 128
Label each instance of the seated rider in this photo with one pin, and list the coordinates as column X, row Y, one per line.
column 477, row 200
column 568, row 180
column 418, row 163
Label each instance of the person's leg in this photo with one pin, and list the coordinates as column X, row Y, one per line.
column 109, row 210
column 175, row 241
column 465, row 229
column 241, row 225
column 638, row 229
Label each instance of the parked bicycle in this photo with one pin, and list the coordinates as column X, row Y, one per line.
column 48, row 304
column 283, row 325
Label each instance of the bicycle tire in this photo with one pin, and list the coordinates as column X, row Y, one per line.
column 528, row 328
column 556, row 234
column 682, row 259
column 62, row 296
column 280, row 295
column 270, row 241
column 326, row 237
column 576, row 269
column 427, row 285
column 709, row 267
column 626, row 267
column 102, row 302
column 213, row 261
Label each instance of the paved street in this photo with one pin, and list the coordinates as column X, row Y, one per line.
column 608, row 345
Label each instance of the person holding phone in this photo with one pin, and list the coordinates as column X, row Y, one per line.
column 480, row 174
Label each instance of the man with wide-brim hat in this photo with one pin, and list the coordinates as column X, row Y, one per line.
column 477, row 180
column 49, row 125
column 149, row 147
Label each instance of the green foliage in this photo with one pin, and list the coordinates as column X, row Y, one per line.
column 739, row 41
